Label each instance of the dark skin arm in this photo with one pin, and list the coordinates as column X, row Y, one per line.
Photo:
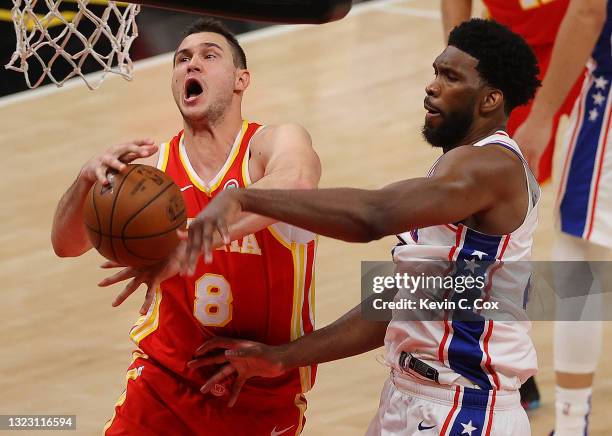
column 482, row 186
column 348, row 336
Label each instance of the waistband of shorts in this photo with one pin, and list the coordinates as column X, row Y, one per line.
column 455, row 394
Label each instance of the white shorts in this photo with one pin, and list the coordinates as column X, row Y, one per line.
column 408, row 408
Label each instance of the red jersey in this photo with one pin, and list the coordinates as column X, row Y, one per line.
column 535, row 20
column 260, row 287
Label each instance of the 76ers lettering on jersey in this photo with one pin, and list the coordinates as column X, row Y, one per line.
column 483, row 353
column 260, row 287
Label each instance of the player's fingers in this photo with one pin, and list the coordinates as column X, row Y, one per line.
column 207, row 238
column 182, row 234
column 236, row 388
column 223, row 231
column 194, row 248
column 122, row 275
column 215, row 359
column 101, row 174
column 215, row 342
column 111, row 264
column 144, row 141
column 223, row 373
column 148, row 300
column 113, row 162
column 127, row 291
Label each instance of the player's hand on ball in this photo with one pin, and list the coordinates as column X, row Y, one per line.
column 151, row 276
column 243, row 359
column 213, row 220
column 116, row 158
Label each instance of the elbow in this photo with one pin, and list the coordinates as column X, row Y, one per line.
column 303, row 183
column 62, row 249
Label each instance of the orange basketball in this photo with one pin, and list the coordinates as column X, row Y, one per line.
column 133, row 220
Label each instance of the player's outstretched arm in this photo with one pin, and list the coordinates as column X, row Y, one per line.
column 348, row 336
column 454, row 12
column 467, row 180
column 286, row 159
column 68, row 234
column 574, row 44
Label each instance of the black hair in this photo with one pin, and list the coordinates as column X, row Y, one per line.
column 215, row 26
column 505, row 61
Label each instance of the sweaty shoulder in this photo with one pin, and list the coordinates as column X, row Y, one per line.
column 288, row 135
column 490, row 167
column 285, row 149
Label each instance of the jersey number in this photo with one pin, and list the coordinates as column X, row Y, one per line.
column 213, row 300
column 529, row 4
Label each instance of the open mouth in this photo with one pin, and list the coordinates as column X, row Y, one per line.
column 193, row 89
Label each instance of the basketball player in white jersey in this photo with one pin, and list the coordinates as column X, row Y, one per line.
column 584, row 196
column 479, row 202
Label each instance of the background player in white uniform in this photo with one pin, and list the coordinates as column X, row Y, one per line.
column 584, row 202
column 478, row 201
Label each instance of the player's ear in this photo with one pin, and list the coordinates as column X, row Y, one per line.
column 243, row 78
column 491, row 101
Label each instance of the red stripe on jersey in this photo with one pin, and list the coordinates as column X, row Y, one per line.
column 485, row 347
column 449, row 417
column 491, row 412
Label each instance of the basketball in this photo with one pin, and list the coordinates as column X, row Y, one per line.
column 133, row 220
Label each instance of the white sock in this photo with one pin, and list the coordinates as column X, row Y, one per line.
column 572, row 411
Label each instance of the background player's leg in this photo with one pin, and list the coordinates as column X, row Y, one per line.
column 577, row 343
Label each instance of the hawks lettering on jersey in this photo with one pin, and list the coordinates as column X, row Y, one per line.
column 260, row 287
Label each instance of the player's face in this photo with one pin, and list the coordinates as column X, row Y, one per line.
column 204, row 76
column 451, row 98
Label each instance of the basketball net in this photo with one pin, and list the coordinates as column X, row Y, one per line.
column 71, row 37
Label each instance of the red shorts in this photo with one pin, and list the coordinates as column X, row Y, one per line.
column 156, row 402
column 520, row 114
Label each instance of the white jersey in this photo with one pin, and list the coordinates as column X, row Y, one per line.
column 483, row 353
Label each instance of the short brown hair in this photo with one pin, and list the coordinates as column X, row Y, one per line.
column 215, row 26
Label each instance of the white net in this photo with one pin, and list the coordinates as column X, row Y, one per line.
column 59, row 39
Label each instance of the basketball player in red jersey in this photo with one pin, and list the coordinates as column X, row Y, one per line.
column 537, row 21
column 260, row 284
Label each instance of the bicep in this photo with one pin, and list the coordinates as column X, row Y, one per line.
column 289, row 160
column 434, row 201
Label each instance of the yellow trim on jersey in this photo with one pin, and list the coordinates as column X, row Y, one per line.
column 279, row 238
column 132, row 374
column 300, row 403
column 216, row 181
column 147, row 324
column 300, row 260
column 164, row 153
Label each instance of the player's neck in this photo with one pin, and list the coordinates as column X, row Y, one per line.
column 208, row 145
column 480, row 131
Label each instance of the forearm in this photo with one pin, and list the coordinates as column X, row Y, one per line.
column 68, row 234
column 454, row 12
column 341, row 213
column 575, row 40
column 348, row 336
column 358, row 215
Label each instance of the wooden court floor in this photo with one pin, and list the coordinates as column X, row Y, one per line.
column 357, row 86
